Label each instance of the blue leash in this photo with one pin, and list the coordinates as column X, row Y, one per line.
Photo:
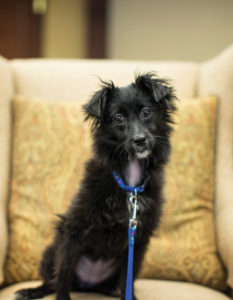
column 129, row 280
column 131, row 231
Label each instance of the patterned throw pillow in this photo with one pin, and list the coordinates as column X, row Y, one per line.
column 51, row 144
column 184, row 246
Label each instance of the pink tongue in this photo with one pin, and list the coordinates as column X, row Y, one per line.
column 134, row 173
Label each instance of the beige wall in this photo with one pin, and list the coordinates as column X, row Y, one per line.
column 64, row 29
column 169, row 29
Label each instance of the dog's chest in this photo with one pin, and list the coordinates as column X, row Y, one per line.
column 90, row 273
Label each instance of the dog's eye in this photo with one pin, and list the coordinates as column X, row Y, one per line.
column 146, row 113
column 119, row 119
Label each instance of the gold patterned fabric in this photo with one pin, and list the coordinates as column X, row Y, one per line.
column 51, row 144
column 184, row 247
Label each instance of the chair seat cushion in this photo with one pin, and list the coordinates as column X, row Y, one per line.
column 145, row 289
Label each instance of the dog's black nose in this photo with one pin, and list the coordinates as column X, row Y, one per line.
column 139, row 140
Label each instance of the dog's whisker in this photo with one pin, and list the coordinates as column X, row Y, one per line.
column 160, row 137
column 116, row 151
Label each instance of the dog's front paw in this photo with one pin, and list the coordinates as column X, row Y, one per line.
column 108, row 291
column 63, row 297
column 116, row 293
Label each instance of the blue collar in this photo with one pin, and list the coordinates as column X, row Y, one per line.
column 131, row 189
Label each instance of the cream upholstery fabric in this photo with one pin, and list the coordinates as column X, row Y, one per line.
column 78, row 79
column 145, row 290
column 216, row 77
column 6, row 92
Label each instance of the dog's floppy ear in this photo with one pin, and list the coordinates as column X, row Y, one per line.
column 158, row 88
column 96, row 106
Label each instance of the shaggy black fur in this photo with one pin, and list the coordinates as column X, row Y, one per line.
column 132, row 123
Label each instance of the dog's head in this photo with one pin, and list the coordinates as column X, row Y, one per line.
column 132, row 122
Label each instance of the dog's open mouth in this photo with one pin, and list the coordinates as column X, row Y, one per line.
column 143, row 154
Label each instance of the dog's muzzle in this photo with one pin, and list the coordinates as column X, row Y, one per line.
column 140, row 141
column 141, row 146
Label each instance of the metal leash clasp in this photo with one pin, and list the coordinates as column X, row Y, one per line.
column 133, row 207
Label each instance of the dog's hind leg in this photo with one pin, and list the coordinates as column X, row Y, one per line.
column 47, row 266
column 33, row 293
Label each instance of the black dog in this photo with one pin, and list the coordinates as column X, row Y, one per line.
column 131, row 129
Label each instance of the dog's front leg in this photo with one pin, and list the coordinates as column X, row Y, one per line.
column 67, row 257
